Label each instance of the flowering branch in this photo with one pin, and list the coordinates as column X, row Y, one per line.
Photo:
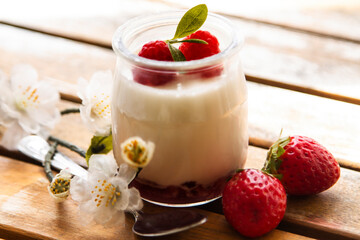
column 28, row 106
column 68, row 145
column 70, row 110
column 47, row 163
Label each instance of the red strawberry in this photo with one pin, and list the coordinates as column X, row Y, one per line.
column 193, row 51
column 303, row 165
column 156, row 50
column 254, row 202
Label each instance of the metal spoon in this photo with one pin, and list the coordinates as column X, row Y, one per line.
column 148, row 225
column 36, row 147
column 165, row 223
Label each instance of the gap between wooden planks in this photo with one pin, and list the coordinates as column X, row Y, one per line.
column 28, row 212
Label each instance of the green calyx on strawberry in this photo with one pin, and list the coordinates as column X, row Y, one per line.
column 273, row 160
column 302, row 165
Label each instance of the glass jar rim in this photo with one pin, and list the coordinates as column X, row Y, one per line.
column 120, row 48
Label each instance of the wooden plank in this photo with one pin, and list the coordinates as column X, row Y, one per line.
column 275, row 56
column 296, row 113
column 336, row 18
column 332, row 123
column 327, row 207
column 315, row 65
column 60, row 61
column 332, row 217
column 72, row 19
column 27, row 211
column 72, row 129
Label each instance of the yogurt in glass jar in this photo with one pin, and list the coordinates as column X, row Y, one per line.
column 197, row 118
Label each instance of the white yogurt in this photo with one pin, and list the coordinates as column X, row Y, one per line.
column 199, row 127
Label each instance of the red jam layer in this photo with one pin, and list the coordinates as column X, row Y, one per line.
column 187, row 193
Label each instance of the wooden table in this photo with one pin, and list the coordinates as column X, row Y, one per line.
column 302, row 64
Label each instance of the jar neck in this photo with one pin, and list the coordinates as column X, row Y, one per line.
column 130, row 37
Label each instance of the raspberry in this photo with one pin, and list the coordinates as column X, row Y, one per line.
column 152, row 77
column 193, row 51
column 156, row 50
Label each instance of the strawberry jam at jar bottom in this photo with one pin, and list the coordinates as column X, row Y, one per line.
column 195, row 112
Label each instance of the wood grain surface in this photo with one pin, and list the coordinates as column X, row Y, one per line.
column 329, row 18
column 28, row 212
column 315, row 64
column 324, row 212
column 294, row 112
column 302, row 61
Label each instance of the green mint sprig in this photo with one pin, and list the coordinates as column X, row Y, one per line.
column 192, row 20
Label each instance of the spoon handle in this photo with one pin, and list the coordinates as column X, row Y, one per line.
column 36, row 148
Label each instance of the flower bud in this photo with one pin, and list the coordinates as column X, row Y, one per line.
column 60, row 185
column 136, row 152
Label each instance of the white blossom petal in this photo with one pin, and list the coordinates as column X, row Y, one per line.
column 123, row 200
column 28, row 124
column 96, row 98
column 103, row 215
column 11, row 137
column 28, row 103
column 79, row 189
column 108, row 195
column 135, row 202
column 127, row 172
column 117, row 218
column 87, row 212
column 103, row 163
column 82, row 86
column 22, row 72
column 10, row 110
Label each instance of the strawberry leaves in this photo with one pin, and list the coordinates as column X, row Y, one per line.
column 273, row 160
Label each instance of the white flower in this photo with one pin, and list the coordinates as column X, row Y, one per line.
column 104, row 195
column 27, row 106
column 136, row 152
column 96, row 98
column 60, row 185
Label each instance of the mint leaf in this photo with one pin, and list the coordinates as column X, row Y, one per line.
column 192, row 20
column 176, row 54
column 193, row 40
column 99, row 145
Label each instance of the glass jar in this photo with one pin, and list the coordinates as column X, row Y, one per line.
column 194, row 111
